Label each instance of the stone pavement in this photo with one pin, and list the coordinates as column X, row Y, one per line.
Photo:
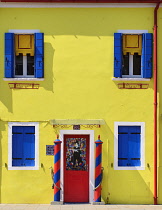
column 77, row 207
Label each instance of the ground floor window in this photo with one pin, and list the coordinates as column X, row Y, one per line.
column 23, row 146
column 129, row 145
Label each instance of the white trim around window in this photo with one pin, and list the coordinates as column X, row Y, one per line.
column 23, row 79
column 131, row 79
column 142, row 124
column 10, row 124
column 132, row 31
column 26, row 31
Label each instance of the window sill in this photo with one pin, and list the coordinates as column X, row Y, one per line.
column 23, row 168
column 130, row 79
column 23, row 79
column 129, row 168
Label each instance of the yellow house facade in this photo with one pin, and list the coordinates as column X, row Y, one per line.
column 77, row 96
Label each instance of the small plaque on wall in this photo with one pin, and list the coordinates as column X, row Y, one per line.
column 76, row 127
column 49, row 149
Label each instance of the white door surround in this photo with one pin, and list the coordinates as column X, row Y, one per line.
column 91, row 159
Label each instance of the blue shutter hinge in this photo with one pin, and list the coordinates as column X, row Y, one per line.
column 40, row 62
column 150, row 62
column 116, row 61
column 7, row 61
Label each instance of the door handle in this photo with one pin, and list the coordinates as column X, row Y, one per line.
column 86, row 167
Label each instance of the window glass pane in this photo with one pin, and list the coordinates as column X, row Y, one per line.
column 136, row 64
column 125, row 68
column 30, row 65
column 19, row 64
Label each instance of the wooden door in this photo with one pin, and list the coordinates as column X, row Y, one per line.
column 76, row 168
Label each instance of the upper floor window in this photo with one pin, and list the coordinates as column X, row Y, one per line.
column 24, row 55
column 133, row 55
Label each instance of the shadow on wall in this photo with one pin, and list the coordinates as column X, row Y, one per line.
column 3, row 165
column 159, row 142
column 123, row 186
column 159, row 175
column 49, row 76
column 6, row 96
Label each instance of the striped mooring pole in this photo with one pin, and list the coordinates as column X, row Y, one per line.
column 56, row 177
column 98, row 171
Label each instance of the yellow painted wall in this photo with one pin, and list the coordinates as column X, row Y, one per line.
column 78, row 85
column 160, row 107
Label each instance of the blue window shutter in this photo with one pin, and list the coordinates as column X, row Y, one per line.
column 9, row 55
column 17, row 146
column 122, row 146
column 118, row 55
column 134, row 145
column 29, row 146
column 129, row 146
column 39, row 55
column 147, row 42
column 23, row 146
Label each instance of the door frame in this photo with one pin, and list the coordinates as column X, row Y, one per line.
column 91, row 159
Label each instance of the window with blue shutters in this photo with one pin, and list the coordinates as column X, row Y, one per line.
column 24, row 55
column 129, row 146
column 129, row 149
column 23, row 146
column 133, row 55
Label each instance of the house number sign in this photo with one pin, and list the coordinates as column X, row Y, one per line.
column 49, row 149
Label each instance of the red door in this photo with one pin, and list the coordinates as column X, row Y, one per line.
column 76, row 168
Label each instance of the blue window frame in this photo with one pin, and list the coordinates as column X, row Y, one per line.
column 129, row 146
column 143, row 63
column 23, row 146
column 36, row 69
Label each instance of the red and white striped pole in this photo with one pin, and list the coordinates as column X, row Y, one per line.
column 98, row 171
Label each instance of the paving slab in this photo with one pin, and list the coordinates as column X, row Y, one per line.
column 54, row 208
column 2, row 205
column 44, row 207
column 77, row 207
column 111, row 206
